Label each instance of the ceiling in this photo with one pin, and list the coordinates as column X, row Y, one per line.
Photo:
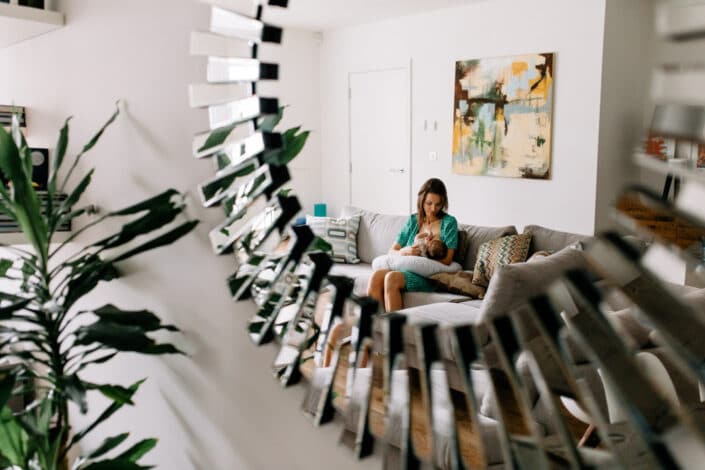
column 322, row 15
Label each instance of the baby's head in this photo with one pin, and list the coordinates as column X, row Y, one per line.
column 436, row 249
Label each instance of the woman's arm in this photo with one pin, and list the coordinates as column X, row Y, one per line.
column 449, row 257
column 406, row 251
column 449, row 236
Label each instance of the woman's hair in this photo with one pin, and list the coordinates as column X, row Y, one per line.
column 432, row 186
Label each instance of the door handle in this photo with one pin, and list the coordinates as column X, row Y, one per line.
column 397, row 170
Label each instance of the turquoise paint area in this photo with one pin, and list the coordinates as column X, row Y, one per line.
column 485, row 114
column 463, row 105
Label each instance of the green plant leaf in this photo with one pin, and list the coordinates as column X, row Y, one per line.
column 116, row 393
column 268, row 123
column 8, row 312
column 59, row 154
column 26, row 157
column 36, row 420
column 24, row 199
column 319, row 244
column 166, row 239
column 217, row 137
column 78, row 191
column 161, row 209
column 137, row 451
column 108, row 445
column 6, row 385
column 13, row 439
column 107, row 413
column 222, row 160
column 5, row 265
column 163, row 199
column 292, row 145
column 88, row 280
column 98, row 360
column 143, row 319
column 121, row 337
column 90, row 145
column 75, row 389
column 98, row 134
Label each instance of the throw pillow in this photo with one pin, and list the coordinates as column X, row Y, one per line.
column 495, row 253
column 340, row 233
column 538, row 255
column 459, row 283
column 416, row 264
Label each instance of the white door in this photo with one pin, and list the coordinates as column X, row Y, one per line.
column 380, row 149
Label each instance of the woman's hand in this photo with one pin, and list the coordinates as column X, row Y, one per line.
column 410, row 251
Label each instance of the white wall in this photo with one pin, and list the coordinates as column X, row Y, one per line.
column 298, row 89
column 684, row 86
column 573, row 29
column 626, row 76
column 220, row 408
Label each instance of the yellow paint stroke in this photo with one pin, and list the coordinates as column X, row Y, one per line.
column 519, row 67
column 457, row 134
column 460, row 131
column 543, row 87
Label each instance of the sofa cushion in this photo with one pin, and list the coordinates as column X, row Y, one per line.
column 495, row 253
column 471, row 237
column 415, row 299
column 514, row 284
column 446, row 313
column 546, row 239
column 459, row 283
column 341, row 233
column 377, row 232
column 361, row 273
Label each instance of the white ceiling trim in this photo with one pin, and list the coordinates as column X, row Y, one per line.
column 323, row 15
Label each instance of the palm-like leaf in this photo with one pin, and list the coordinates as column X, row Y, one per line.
column 38, row 322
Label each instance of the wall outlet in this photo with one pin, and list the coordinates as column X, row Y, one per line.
column 433, row 156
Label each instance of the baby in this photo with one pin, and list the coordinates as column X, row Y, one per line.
column 436, row 249
column 430, row 247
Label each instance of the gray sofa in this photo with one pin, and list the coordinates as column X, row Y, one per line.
column 511, row 285
column 377, row 233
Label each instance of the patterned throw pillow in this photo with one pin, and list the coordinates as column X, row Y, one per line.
column 340, row 233
column 492, row 254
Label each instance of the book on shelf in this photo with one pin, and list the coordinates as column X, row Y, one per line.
column 8, row 225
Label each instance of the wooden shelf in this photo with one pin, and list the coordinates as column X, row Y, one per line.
column 18, row 23
column 661, row 223
column 18, row 238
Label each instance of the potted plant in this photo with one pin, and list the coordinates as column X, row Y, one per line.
column 46, row 339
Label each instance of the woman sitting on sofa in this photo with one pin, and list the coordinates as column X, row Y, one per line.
column 433, row 222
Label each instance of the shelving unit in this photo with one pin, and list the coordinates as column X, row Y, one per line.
column 18, row 23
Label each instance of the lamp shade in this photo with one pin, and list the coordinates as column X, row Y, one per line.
column 679, row 121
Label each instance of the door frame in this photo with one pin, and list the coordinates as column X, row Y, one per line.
column 408, row 68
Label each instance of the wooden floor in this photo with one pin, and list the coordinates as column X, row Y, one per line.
column 467, row 430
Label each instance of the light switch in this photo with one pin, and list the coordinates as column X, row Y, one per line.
column 433, row 156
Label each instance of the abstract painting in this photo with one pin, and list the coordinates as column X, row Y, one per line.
column 502, row 116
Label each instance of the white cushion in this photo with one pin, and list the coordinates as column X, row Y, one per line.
column 341, row 233
column 416, row 264
column 377, row 232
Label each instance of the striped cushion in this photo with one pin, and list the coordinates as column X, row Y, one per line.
column 492, row 254
column 340, row 233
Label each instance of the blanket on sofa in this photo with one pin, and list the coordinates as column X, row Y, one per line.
column 416, row 264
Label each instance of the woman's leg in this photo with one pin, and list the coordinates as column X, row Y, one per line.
column 394, row 282
column 375, row 288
